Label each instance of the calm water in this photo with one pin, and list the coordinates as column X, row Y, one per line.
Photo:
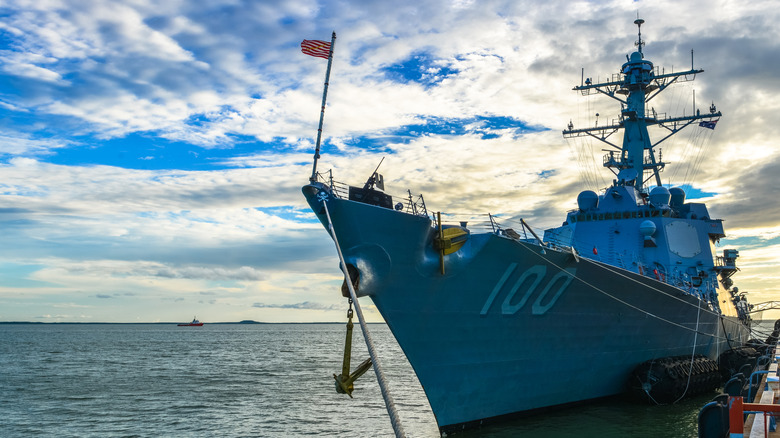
column 246, row 380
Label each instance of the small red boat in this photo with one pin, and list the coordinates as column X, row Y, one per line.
column 194, row 323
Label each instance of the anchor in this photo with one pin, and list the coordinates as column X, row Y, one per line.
column 345, row 381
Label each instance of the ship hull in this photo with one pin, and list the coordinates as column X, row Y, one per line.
column 512, row 326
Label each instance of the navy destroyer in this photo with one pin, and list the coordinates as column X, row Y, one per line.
column 503, row 321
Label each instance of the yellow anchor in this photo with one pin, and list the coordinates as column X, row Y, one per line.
column 345, row 380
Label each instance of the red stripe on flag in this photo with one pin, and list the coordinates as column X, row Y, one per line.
column 320, row 49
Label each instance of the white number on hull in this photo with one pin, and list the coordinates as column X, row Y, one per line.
column 535, row 274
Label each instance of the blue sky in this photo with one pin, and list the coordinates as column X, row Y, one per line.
column 151, row 155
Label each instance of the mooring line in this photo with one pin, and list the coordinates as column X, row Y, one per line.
column 380, row 377
column 693, row 356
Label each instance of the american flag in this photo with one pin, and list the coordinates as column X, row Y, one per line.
column 320, row 49
column 709, row 124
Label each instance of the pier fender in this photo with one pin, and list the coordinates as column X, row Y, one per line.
column 773, row 337
column 713, row 419
column 730, row 361
column 758, row 345
column 665, row 380
column 371, row 265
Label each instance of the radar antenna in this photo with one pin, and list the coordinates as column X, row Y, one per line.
column 639, row 43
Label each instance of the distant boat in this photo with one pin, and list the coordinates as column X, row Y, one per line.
column 194, row 323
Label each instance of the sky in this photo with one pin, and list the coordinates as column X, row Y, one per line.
column 152, row 153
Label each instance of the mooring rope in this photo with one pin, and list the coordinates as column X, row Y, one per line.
column 380, row 377
column 693, row 356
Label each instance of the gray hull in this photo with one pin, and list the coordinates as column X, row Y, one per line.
column 512, row 326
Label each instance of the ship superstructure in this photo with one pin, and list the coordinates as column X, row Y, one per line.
column 501, row 321
column 637, row 223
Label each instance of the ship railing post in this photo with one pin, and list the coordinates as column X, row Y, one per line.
column 736, row 421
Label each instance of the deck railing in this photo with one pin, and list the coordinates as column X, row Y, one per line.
column 408, row 204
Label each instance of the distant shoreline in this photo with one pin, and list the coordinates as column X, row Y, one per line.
column 169, row 323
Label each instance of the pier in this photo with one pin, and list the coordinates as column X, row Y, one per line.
column 736, row 417
column 760, row 421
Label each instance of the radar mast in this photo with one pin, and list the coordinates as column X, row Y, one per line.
column 634, row 163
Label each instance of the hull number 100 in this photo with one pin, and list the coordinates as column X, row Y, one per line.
column 530, row 281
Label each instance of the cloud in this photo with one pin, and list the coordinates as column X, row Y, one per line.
column 244, row 273
column 745, row 201
column 306, row 305
column 149, row 270
column 159, row 149
column 24, row 65
column 26, row 145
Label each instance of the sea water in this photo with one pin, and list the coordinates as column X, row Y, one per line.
column 276, row 380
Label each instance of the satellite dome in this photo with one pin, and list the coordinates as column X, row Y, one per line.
column 660, row 196
column 647, row 228
column 678, row 197
column 587, row 200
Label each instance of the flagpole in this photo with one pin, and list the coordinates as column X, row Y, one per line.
column 322, row 110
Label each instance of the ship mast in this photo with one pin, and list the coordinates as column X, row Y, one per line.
column 636, row 84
